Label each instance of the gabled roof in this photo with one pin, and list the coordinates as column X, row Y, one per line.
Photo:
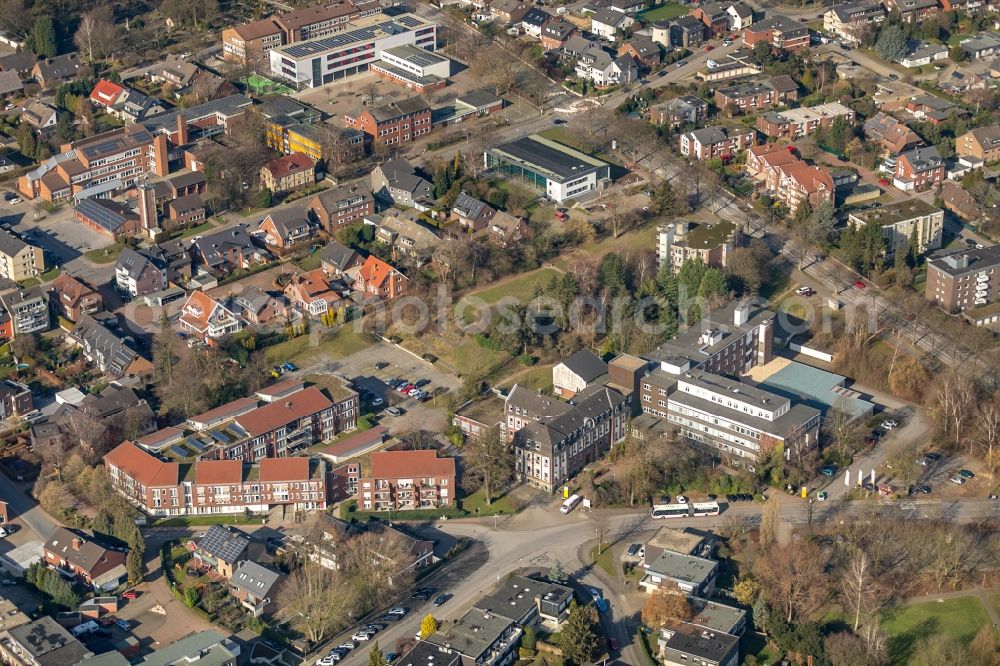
column 587, row 365
column 106, row 92
column 271, row 416
column 256, row 579
column 293, row 468
column 286, row 165
column 11, row 245
column 535, row 16
column 142, row 466
column 398, row 109
column 609, row 17
column 338, row 255
column 10, row 81
column 469, row 207
column 98, row 340
column 213, row 247
column 86, row 555
column 778, row 23
column 923, row 159
column 375, row 271
column 410, row 464
column 59, row 67
column 222, row 541
column 198, row 310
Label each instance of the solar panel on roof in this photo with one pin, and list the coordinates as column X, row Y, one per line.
column 100, row 215
column 178, row 451
column 197, row 445
column 225, row 544
column 220, row 437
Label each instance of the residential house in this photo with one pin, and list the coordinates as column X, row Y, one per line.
column 397, row 182
column 796, row 123
column 751, row 98
column 226, row 250
column 902, row 221
column 596, row 65
column 852, row 20
column 207, row 318
column 21, row 62
column 71, row 297
column 532, row 20
column 576, row 373
column 983, row 45
column 686, row 32
column 714, row 16
column 797, row 182
column 932, row 108
column 18, row 260
column 311, row 293
column 980, row 142
column 394, row 123
column 402, row 480
column 43, row 642
column 955, row 198
column 606, row 23
column 286, row 227
column 341, row 205
column 919, row 169
column 912, row 10
column 683, row 110
column 205, row 648
column 891, row 136
column 920, row 53
column 10, row 84
column 78, row 554
column 644, row 50
column 471, row 213
column 556, row 32
column 683, row 643
column 330, row 535
column 716, row 142
column 50, row 72
column 336, row 259
column 405, row 233
column 140, row 271
column 965, row 279
column 375, row 278
column 27, row 311
column 711, row 243
column 112, row 353
column 672, row 571
column 39, row 115
column 780, row 31
column 554, row 441
column 15, row 400
column 288, row 173
column 256, row 587
column 256, row 306
column 741, row 15
column 507, row 229
column 528, row 602
column 186, row 211
column 222, row 548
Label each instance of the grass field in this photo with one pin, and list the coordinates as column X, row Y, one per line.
column 959, row 618
column 260, row 84
column 662, row 13
column 344, row 342
column 461, row 356
column 538, row 378
column 568, row 138
column 193, row 231
column 105, row 255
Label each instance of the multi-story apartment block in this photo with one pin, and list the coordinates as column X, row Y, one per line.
column 402, row 480
column 18, row 260
column 752, row 98
column 315, row 62
column 72, row 298
column 851, row 20
column 716, row 142
column 708, row 242
column 891, row 136
column 27, row 310
column 393, row 123
column 912, row 10
column 964, row 280
column 94, row 166
column 553, row 440
column 919, row 169
column 912, row 218
column 779, row 31
column 788, row 178
column 683, row 643
column 341, row 205
column 981, row 142
column 250, row 42
column 162, row 488
column 743, row 422
column 795, row 123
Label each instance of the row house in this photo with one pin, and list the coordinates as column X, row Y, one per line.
column 919, row 169
column 716, row 142
column 162, row 488
column 754, row 97
column 403, row 480
column 851, row 20
column 780, row 32
column 795, row 123
column 394, row 123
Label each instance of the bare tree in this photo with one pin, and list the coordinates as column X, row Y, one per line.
column 638, row 470
column 988, row 425
column 793, row 577
column 858, row 585
column 491, row 458
column 769, row 523
column 378, row 563
column 318, row 600
column 951, row 402
column 97, row 33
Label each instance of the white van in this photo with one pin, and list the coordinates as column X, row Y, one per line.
column 88, row 627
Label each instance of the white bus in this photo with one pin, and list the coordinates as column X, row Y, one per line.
column 570, row 504
column 670, row 511
column 705, row 509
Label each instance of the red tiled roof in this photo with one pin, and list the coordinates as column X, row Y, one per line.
column 407, row 464
column 197, row 310
column 298, row 405
column 283, row 166
column 284, row 469
column 374, row 270
column 106, row 93
column 142, row 466
column 211, row 472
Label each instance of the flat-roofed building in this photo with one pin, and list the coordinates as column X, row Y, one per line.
column 964, row 279
column 912, row 218
column 559, row 171
column 708, row 242
column 418, row 69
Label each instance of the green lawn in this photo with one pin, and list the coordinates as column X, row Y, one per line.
column 475, row 504
column 664, row 12
column 959, row 618
column 195, row 521
column 105, row 255
column 569, row 138
column 604, row 560
column 343, row 342
column 193, row 231
column 522, row 288
column 538, row 378
column 50, row 275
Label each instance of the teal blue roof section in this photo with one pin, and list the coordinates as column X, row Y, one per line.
column 817, row 388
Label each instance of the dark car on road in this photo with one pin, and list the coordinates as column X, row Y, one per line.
column 442, row 599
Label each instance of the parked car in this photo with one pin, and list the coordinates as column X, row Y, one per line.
column 348, row 645
column 633, row 550
column 288, row 366
column 442, row 599
column 398, row 610
column 682, row 499
column 821, row 496
column 422, row 383
column 395, row 411
column 361, row 636
column 957, row 479
column 377, row 402
column 381, row 365
column 829, row 470
column 330, row 659
column 859, row 284
column 805, row 291
column 923, row 489
column 889, row 424
column 389, row 617
column 869, row 486
column 966, row 474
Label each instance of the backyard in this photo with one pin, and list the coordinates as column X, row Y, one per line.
column 205, row 594
column 664, row 12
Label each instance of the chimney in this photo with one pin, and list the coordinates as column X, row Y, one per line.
column 741, row 314
column 182, row 130
column 77, row 543
column 148, row 218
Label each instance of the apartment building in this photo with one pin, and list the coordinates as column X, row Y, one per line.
column 97, row 165
column 159, row 487
column 912, row 10
column 250, row 42
column 556, row 440
column 788, row 178
column 27, row 310
column 750, row 98
column 891, row 136
column 919, row 169
column 342, row 205
column 795, row 123
column 716, row 142
column 683, row 643
column 18, row 260
column 851, row 20
column 315, row 62
column 745, row 424
column 901, row 221
column 679, row 111
column 393, row 123
column 965, row 279
column 981, row 142
column 709, row 242
column 43, row 642
column 72, row 298
column 288, row 173
column 403, row 480
column 780, row 32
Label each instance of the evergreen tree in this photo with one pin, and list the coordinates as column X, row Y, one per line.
column 42, row 39
column 264, row 198
column 375, row 656
column 713, row 285
column 689, row 279
column 891, row 44
column 556, row 573
column 913, row 248
column 26, row 140
column 578, row 639
column 612, row 273
column 804, row 212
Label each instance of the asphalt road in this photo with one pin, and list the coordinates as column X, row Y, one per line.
column 24, row 507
